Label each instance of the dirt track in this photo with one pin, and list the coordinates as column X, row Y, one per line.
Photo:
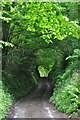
column 36, row 104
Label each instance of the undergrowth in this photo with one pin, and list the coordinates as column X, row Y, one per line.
column 66, row 95
column 5, row 100
column 11, row 90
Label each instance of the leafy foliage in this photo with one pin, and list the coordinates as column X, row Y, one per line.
column 5, row 100
column 70, row 10
column 47, row 21
column 36, row 29
column 6, row 44
column 67, row 91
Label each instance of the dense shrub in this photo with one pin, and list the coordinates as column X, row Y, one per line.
column 66, row 95
column 13, row 88
column 17, row 78
column 5, row 100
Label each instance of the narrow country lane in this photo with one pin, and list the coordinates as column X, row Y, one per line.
column 36, row 104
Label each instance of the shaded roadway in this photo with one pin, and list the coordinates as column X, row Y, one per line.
column 36, row 104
